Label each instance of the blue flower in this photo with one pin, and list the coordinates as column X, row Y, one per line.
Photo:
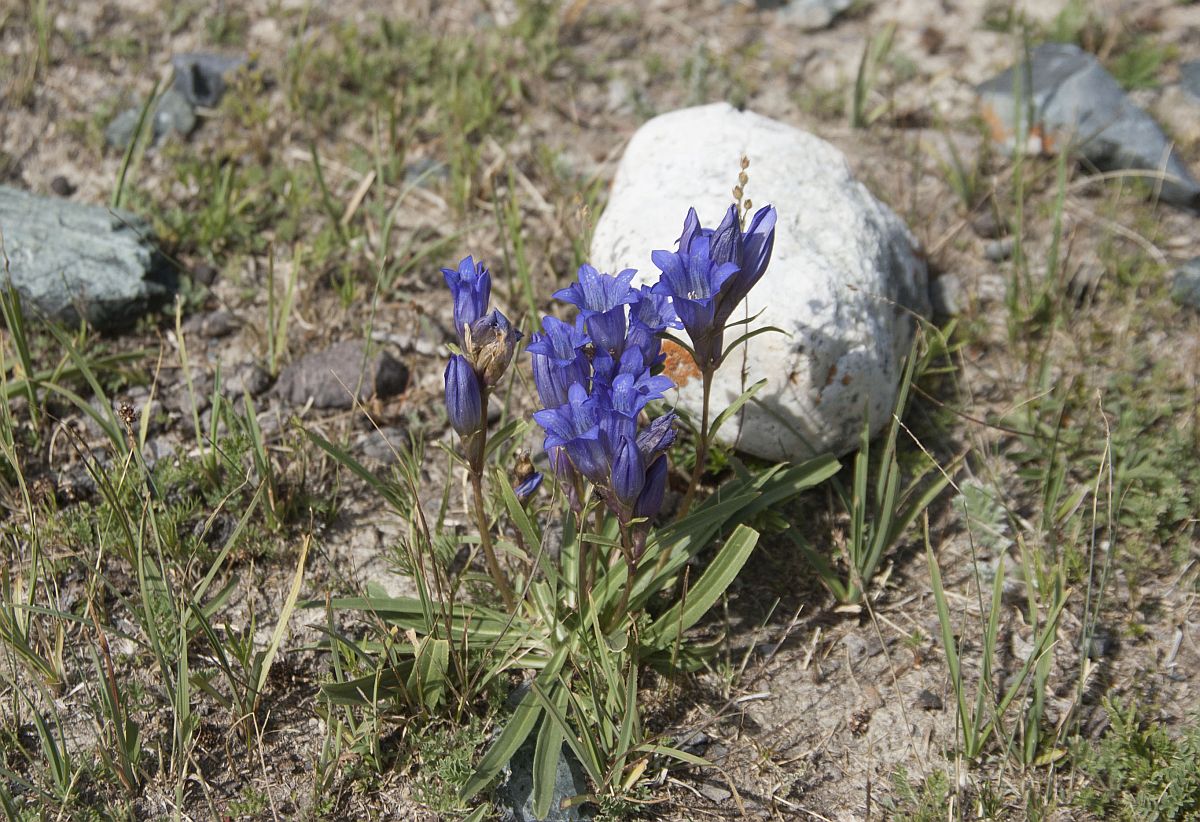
column 575, row 426
column 654, row 488
column 464, row 397
column 526, row 488
column 558, row 360
column 628, row 474
column 471, row 286
column 693, row 280
column 712, row 272
column 601, row 299
column 750, row 250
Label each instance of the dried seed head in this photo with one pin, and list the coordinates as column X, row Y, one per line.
column 745, row 162
column 125, row 412
column 743, row 178
column 737, row 193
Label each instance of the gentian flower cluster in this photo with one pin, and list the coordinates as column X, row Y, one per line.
column 487, row 341
column 711, row 273
column 595, row 377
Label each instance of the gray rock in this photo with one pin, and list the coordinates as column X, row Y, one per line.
column 172, row 114
column 1189, row 79
column 120, row 132
column 843, row 284
column 1075, row 102
column 211, row 324
column 998, row 251
column 200, row 77
column 1185, row 284
column 70, row 260
column 329, row 378
column 383, row 444
column 946, row 295
column 514, row 794
column 810, row 15
column 247, row 378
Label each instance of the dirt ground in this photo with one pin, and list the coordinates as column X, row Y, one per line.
column 814, row 708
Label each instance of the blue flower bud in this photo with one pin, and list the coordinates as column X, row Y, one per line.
column 653, row 490
column 464, row 397
column 471, row 286
column 628, row 473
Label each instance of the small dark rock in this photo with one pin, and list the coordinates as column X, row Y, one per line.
column 204, row 274
column 70, row 260
column 1185, row 284
column 1100, row 645
column 988, row 226
column 329, row 377
column 1077, row 104
column 998, row 250
column 200, row 77
column 929, row 701
column 61, row 186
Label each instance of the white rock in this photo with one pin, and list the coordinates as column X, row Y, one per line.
column 845, row 275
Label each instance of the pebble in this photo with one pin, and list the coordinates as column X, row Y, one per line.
column 1185, row 284
column 329, row 377
column 61, row 186
column 998, row 250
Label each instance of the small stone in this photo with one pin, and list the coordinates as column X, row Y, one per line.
column 205, row 274
column 247, row 378
column 1189, row 79
column 929, row 701
column 211, row 325
column 946, row 295
column 1185, row 284
column 998, row 250
column 329, row 377
column 71, row 260
column 383, row 444
column 1076, row 103
column 809, row 15
column 200, row 77
column 61, row 186
column 715, row 793
column 988, row 226
column 844, row 281
column 119, row 133
column 1100, row 645
column 173, row 113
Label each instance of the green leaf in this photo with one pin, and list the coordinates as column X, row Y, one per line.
column 519, row 726
column 546, row 756
column 428, row 677
column 725, row 566
column 735, row 406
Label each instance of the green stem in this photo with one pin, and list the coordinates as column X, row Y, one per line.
column 485, row 538
column 618, row 612
column 701, row 448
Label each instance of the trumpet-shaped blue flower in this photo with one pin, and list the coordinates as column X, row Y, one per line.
column 712, row 272
column 558, row 360
column 601, row 300
column 471, row 286
column 693, row 281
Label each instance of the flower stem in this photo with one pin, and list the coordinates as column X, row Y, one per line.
column 701, row 448
column 485, row 538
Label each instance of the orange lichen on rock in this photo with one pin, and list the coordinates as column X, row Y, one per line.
column 679, row 365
